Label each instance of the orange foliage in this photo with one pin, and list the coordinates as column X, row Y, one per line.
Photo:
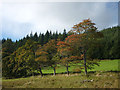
column 62, row 43
column 83, row 26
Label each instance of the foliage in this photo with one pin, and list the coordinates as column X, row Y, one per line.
column 111, row 42
column 21, row 62
column 47, row 54
column 35, row 51
column 84, row 36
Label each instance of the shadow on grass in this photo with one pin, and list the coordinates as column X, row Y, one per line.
column 71, row 72
column 114, row 71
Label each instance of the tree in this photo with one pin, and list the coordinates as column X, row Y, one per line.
column 35, row 37
column 87, row 35
column 3, row 40
column 21, row 62
column 41, row 58
column 64, row 35
column 7, row 48
column 56, row 35
column 31, row 35
column 51, row 49
column 111, row 43
column 41, row 39
column 64, row 51
column 46, row 38
column 54, row 61
column 50, row 35
column 46, row 55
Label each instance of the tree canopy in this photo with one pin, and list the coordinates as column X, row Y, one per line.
column 82, row 44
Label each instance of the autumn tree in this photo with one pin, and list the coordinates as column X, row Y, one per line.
column 51, row 49
column 47, row 55
column 85, row 35
column 41, row 58
column 64, row 51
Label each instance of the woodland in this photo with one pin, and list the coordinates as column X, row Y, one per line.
column 84, row 44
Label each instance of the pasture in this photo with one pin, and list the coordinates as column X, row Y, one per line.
column 104, row 65
column 104, row 76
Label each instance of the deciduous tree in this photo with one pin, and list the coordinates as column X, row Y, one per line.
column 85, row 34
column 51, row 49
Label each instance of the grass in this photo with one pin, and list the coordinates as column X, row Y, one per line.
column 101, row 78
column 92, row 80
column 105, row 65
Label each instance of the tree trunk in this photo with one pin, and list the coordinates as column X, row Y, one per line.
column 85, row 62
column 54, row 70
column 32, row 73
column 67, row 69
column 41, row 72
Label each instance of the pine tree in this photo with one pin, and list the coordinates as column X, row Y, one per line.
column 42, row 39
column 64, row 35
column 31, row 35
column 56, row 35
column 35, row 37
column 3, row 40
column 46, row 38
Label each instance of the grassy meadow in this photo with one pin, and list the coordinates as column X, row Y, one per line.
column 103, row 76
column 104, row 65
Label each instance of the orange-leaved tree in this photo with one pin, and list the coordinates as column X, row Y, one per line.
column 64, row 51
column 46, row 55
column 68, row 54
column 41, row 58
column 84, row 35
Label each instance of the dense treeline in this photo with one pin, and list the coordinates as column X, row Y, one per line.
column 41, row 39
column 30, row 54
column 110, row 45
column 111, row 42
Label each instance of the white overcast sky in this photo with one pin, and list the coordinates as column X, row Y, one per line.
column 20, row 18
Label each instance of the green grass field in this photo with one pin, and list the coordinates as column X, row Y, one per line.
column 105, row 65
column 99, row 79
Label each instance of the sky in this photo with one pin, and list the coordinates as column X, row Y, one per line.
column 21, row 18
